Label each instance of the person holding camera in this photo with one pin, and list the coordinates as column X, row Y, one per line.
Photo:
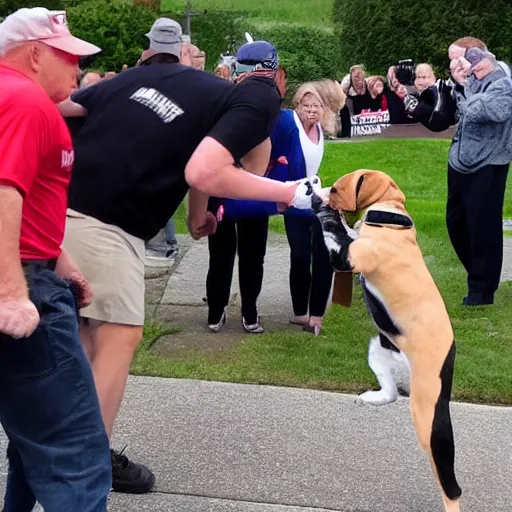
column 478, row 98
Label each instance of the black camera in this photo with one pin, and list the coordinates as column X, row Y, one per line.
column 405, row 72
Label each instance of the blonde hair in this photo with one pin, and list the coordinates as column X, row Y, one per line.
column 328, row 92
column 331, row 93
column 304, row 90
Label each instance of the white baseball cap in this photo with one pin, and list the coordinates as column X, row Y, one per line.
column 48, row 27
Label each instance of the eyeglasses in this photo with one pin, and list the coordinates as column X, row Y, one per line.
column 311, row 106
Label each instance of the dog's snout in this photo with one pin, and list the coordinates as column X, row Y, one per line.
column 333, row 190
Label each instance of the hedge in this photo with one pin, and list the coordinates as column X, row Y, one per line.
column 118, row 28
column 307, row 53
column 379, row 32
column 9, row 6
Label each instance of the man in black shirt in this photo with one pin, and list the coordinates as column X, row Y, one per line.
column 151, row 133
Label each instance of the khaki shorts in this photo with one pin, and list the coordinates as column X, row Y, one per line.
column 113, row 263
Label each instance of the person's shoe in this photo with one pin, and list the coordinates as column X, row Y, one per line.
column 256, row 328
column 172, row 252
column 478, row 299
column 217, row 327
column 161, row 258
column 128, row 477
column 313, row 329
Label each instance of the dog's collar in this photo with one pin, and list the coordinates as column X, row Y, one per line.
column 388, row 219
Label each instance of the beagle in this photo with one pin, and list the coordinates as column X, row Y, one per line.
column 404, row 303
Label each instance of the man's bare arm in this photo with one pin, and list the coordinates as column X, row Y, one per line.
column 18, row 315
column 68, row 108
column 210, row 170
column 197, row 209
column 12, row 279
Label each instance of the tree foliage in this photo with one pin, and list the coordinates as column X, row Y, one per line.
column 379, row 32
column 118, row 28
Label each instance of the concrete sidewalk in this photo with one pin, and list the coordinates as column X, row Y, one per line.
column 218, row 447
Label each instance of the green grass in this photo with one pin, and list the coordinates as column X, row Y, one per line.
column 310, row 12
column 337, row 360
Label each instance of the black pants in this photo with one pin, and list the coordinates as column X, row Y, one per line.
column 250, row 235
column 474, row 218
column 310, row 267
column 346, row 125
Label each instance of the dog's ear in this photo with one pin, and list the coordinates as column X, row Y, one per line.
column 360, row 189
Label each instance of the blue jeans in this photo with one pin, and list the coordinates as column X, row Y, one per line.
column 58, row 448
column 170, row 233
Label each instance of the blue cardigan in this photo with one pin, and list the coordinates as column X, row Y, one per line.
column 285, row 142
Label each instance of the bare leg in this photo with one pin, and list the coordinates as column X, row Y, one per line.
column 87, row 341
column 113, row 348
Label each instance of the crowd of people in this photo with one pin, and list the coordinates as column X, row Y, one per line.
column 91, row 172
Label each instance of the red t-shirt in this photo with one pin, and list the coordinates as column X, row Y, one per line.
column 36, row 157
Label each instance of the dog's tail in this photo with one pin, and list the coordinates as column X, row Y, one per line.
column 430, row 408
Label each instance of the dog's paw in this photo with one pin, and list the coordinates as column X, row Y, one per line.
column 377, row 398
column 306, row 192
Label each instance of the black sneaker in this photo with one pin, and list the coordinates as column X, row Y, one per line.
column 128, row 477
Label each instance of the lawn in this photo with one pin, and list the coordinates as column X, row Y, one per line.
column 337, row 360
column 310, row 12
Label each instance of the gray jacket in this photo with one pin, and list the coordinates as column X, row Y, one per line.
column 484, row 130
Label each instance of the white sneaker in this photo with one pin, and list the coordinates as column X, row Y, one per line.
column 161, row 259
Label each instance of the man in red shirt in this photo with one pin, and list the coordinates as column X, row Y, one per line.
column 58, row 448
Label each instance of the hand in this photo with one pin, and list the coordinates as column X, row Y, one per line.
column 18, row 317
column 185, row 55
column 304, row 192
column 401, row 91
column 459, row 69
column 206, row 228
column 68, row 271
column 80, row 288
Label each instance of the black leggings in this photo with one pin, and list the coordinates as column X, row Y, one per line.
column 310, row 267
column 250, row 236
column 474, row 218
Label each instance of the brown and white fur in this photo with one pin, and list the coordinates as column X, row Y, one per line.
column 404, row 303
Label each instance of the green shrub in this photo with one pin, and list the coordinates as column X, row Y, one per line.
column 117, row 28
column 307, row 53
column 379, row 32
column 9, row 6
column 214, row 33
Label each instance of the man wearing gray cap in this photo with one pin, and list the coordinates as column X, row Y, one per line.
column 167, row 43
column 165, row 39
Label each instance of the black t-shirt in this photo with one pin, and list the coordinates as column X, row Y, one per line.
column 74, row 125
column 143, row 126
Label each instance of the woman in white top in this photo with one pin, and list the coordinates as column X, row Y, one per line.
column 311, row 272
